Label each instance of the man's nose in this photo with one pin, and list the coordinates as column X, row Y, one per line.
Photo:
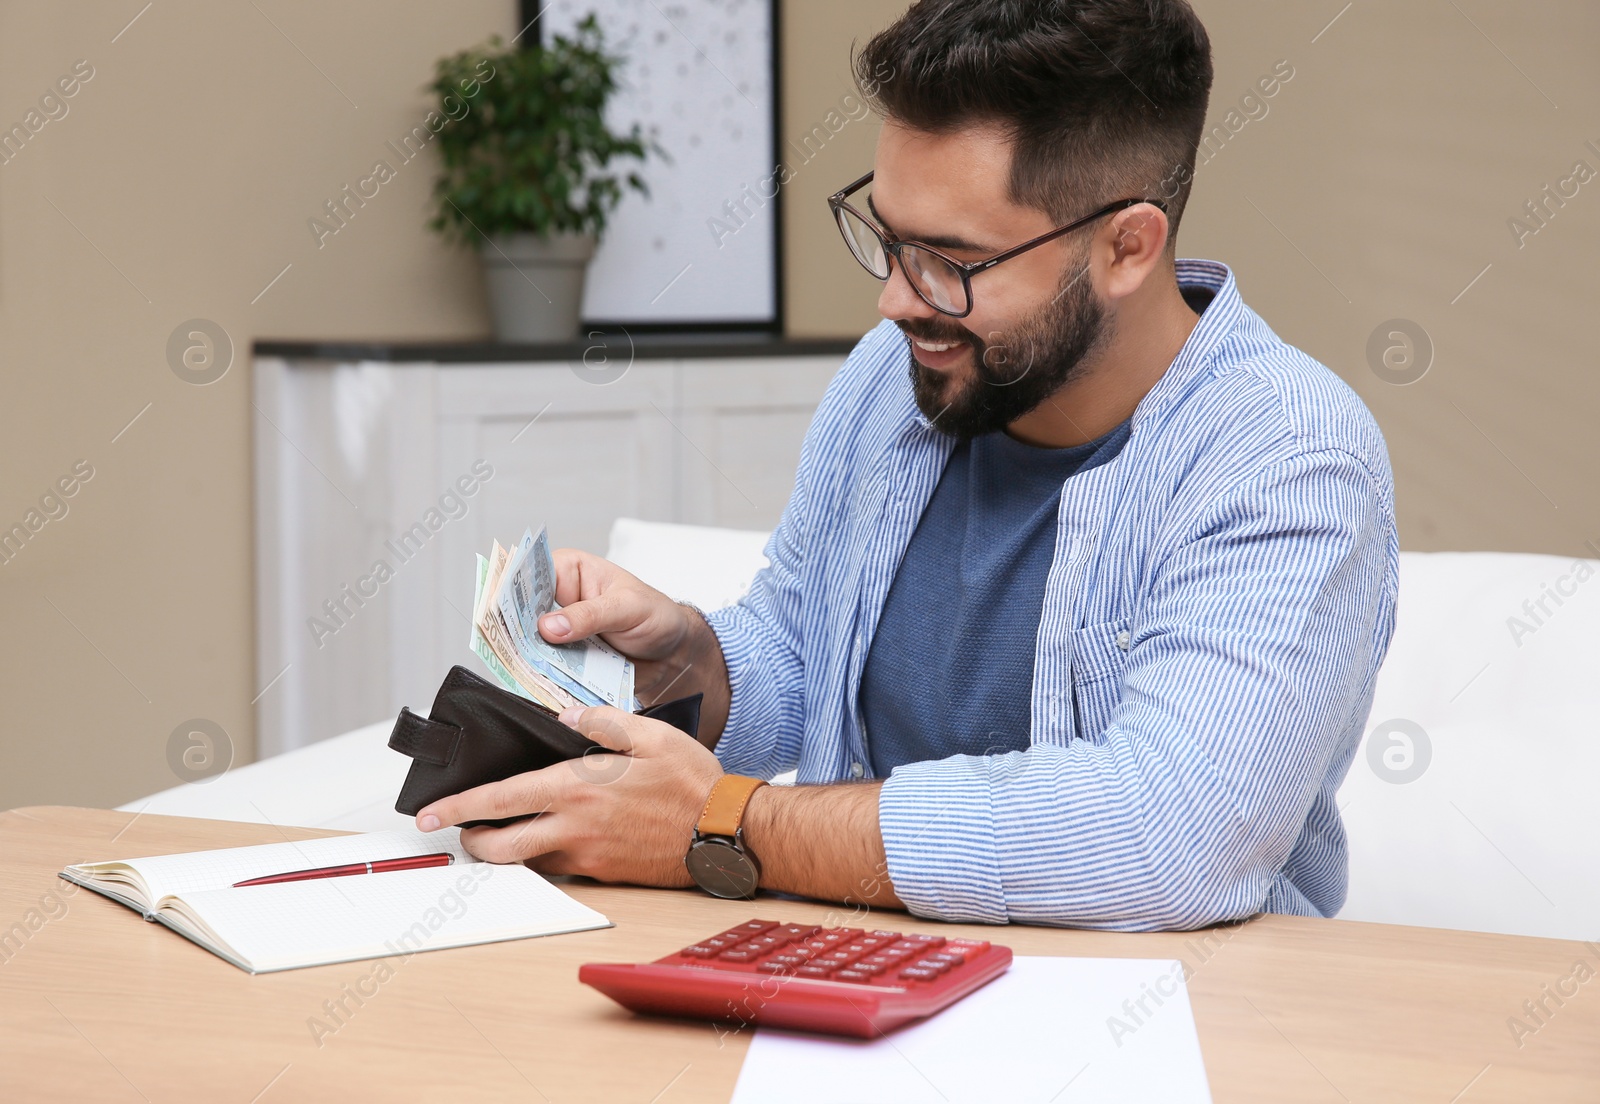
column 898, row 300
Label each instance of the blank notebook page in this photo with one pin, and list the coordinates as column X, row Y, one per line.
column 340, row 919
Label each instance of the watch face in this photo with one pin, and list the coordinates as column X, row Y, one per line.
column 721, row 869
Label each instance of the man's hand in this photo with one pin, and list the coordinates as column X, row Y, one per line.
column 627, row 814
column 623, row 815
column 674, row 651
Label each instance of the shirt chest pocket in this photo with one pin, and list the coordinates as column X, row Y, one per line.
column 1099, row 657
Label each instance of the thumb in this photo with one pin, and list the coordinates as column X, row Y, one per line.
column 589, row 617
column 609, row 727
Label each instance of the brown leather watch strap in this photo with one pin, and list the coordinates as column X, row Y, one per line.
column 725, row 805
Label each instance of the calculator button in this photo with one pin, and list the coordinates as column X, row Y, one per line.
column 858, row 976
column 947, row 958
column 789, row 959
column 795, row 931
column 773, row 967
column 739, row 954
column 835, row 958
column 752, row 926
column 926, row 942
column 846, row 933
column 699, row 950
column 928, row 964
column 814, row 972
column 970, row 946
column 865, row 967
column 917, row 973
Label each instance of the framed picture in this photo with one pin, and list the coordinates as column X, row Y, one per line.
column 702, row 251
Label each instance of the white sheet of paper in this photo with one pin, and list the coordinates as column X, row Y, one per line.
column 1042, row 1033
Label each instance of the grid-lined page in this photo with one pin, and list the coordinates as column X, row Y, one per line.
column 274, row 927
column 180, row 875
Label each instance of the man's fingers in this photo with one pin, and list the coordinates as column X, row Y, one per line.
column 614, row 611
column 527, row 839
column 550, row 863
column 520, row 795
column 608, row 727
column 578, row 574
column 582, row 575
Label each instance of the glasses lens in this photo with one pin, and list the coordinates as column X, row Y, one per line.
column 934, row 279
column 864, row 242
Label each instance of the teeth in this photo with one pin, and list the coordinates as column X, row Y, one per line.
column 931, row 347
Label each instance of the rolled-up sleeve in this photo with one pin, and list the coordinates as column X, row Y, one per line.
column 1248, row 675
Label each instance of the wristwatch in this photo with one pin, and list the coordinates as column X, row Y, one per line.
column 718, row 860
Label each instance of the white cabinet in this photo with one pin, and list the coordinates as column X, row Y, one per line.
column 378, row 481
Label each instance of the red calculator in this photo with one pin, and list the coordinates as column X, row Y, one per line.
column 838, row 981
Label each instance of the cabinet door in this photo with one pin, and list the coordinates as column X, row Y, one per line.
column 377, row 484
column 344, row 465
column 563, row 452
column 741, row 424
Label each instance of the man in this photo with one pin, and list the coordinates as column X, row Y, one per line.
column 1075, row 612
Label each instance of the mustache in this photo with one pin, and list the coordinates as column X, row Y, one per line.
column 926, row 330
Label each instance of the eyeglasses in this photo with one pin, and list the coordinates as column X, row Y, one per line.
column 939, row 280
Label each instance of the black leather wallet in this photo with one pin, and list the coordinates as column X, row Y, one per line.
column 477, row 733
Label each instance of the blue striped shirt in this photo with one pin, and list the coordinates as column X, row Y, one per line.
column 1220, row 599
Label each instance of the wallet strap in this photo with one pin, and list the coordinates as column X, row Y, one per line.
column 422, row 738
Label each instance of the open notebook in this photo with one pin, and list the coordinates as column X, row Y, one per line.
column 312, row 923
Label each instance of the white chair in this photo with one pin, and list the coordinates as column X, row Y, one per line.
column 1497, row 831
column 1492, row 832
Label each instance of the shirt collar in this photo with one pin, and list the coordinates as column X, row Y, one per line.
column 1217, row 322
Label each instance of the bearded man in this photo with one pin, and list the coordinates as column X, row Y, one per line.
column 1075, row 612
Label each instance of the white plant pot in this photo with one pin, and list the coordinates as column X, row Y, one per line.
column 536, row 284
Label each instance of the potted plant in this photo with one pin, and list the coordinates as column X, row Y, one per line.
column 528, row 175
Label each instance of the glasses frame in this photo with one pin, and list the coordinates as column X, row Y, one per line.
column 892, row 245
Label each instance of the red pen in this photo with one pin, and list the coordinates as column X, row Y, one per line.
column 381, row 866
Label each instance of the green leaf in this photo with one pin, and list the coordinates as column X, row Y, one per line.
column 533, row 153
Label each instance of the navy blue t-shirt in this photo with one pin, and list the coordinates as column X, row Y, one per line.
column 950, row 671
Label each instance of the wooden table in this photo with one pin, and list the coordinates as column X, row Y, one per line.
column 95, row 1005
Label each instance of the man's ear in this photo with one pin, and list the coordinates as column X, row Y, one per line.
column 1135, row 240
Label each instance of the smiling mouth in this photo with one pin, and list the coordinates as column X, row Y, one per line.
column 934, row 346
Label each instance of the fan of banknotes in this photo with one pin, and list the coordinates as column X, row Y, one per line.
column 515, row 589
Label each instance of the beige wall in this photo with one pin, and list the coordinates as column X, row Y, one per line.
column 826, row 294
column 177, row 186
column 1377, row 186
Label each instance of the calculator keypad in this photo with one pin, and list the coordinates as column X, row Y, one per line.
column 851, row 955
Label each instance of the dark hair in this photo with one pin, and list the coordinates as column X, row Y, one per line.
column 1103, row 99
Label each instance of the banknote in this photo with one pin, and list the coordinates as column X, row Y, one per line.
column 515, row 623
column 589, row 670
column 522, row 680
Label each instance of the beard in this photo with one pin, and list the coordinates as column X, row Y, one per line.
column 1016, row 372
